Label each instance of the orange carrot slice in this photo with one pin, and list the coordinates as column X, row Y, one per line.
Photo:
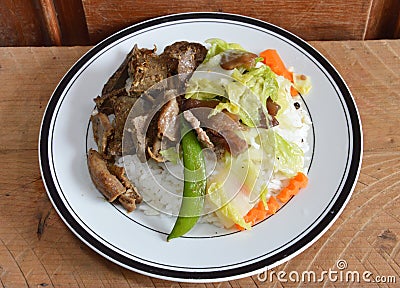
column 273, row 205
column 259, row 212
column 274, row 61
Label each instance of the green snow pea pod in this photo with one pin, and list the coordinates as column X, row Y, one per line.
column 194, row 188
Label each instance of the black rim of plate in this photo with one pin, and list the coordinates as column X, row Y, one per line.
column 216, row 274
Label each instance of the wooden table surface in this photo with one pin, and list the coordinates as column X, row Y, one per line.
column 38, row 250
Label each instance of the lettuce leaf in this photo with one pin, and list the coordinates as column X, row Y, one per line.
column 302, row 83
column 227, row 212
column 261, row 81
column 218, row 46
column 289, row 158
column 204, row 89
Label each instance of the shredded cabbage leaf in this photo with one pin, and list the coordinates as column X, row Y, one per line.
column 228, row 213
column 218, row 46
column 302, row 83
column 288, row 156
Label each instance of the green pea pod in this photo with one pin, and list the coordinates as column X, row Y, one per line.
column 194, row 188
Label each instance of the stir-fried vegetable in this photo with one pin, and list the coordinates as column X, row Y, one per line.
column 194, row 185
column 261, row 211
column 274, row 61
column 245, row 91
column 295, row 184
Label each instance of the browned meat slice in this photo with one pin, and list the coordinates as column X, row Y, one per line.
column 128, row 200
column 236, row 144
column 232, row 59
column 118, row 79
column 138, row 126
column 273, row 121
column 201, row 134
column 122, row 107
column 102, row 131
column 194, row 103
column 223, row 125
column 184, row 57
column 146, row 68
column 228, row 140
column 131, row 196
column 105, row 102
column 104, row 181
column 167, row 121
column 219, row 122
column 112, row 182
column 272, row 107
column 266, row 120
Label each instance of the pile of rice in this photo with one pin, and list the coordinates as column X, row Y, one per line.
column 161, row 184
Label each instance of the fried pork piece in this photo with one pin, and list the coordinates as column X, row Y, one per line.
column 167, row 125
column 105, row 103
column 201, row 134
column 163, row 128
column 131, row 196
column 122, row 106
column 118, row 79
column 138, row 135
column 218, row 129
column 183, row 57
column 145, row 68
column 102, row 130
column 112, row 182
column 105, row 182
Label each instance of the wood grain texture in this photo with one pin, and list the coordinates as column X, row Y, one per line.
column 38, row 250
column 50, row 21
column 383, row 19
column 311, row 19
column 71, row 18
column 20, row 24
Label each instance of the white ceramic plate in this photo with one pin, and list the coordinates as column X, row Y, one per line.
column 138, row 242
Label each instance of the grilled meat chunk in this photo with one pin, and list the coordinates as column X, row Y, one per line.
column 194, row 103
column 167, row 121
column 118, row 79
column 112, row 182
column 131, row 196
column 272, row 107
column 105, row 102
column 138, row 135
column 122, row 106
column 222, row 124
column 146, row 68
column 105, row 182
column 102, row 130
column 183, row 57
column 201, row 134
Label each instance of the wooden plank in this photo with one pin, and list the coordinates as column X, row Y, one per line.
column 366, row 235
column 50, row 21
column 383, row 21
column 372, row 73
column 20, row 24
column 72, row 22
column 397, row 30
column 311, row 19
column 31, row 98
